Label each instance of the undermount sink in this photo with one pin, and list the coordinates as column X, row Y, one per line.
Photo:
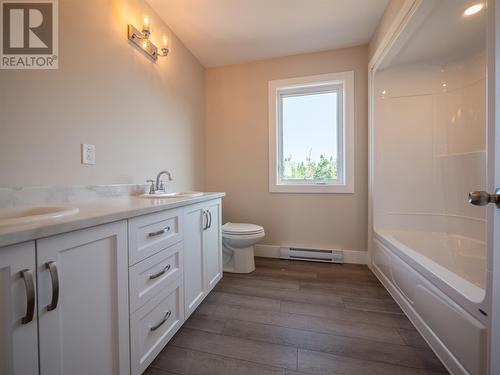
column 26, row 215
column 179, row 194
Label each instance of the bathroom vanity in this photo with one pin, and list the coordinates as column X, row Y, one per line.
column 103, row 291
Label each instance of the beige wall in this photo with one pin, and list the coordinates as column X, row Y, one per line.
column 143, row 117
column 385, row 23
column 237, row 153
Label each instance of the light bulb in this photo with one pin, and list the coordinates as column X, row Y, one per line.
column 146, row 26
column 473, row 9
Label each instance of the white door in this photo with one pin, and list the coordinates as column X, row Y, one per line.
column 213, row 245
column 83, row 302
column 195, row 219
column 18, row 320
column 494, row 177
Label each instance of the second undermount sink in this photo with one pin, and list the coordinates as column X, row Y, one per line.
column 179, row 194
column 27, row 215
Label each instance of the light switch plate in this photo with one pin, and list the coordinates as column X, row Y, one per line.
column 88, row 154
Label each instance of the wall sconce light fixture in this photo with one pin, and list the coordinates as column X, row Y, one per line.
column 141, row 40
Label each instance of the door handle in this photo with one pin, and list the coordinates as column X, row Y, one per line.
column 210, row 216
column 482, row 198
column 27, row 276
column 54, row 276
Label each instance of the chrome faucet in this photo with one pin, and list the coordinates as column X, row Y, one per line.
column 159, row 184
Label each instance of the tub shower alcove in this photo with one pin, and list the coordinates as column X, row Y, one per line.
column 428, row 152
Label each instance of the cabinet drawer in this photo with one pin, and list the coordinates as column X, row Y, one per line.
column 153, row 325
column 154, row 274
column 152, row 233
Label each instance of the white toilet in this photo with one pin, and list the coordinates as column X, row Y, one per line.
column 237, row 246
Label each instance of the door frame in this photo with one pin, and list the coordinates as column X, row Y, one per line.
column 493, row 37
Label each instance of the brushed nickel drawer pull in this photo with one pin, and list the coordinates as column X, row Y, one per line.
column 27, row 276
column 164, row 230
column 165, row 318
column 55, row 285
column 154, row 276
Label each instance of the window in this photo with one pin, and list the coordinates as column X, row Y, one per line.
column 311, row 145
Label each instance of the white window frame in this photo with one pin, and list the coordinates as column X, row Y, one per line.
column 344, row 83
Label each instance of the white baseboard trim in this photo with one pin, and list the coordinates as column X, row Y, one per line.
column 267, row 251
column 273, row 251
column 355, row 256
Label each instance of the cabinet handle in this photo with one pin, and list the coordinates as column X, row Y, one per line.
column 165, row 318
column 154, row 276
column 164, row 230
column 205, row 220
column 27, row 276
column 210, row 216
column 55, row 285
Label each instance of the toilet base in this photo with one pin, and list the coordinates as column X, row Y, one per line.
column 238, row 260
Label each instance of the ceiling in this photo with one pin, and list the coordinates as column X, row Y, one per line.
column 440, row 34
column 222, row 32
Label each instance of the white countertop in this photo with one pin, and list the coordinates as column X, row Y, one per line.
column 96, row 212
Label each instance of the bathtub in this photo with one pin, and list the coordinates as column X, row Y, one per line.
column 438, row 279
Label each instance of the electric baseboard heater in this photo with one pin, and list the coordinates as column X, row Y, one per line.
column 312, row 255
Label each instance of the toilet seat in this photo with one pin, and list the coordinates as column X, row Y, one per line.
column 241, row 229
column 247, row 237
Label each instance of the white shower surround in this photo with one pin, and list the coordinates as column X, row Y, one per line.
column 427, row 244
column 430, row 249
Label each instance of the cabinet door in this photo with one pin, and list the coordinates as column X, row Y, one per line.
column 213, row 245
column 194, row 279
column 83, row 302
column 18, row 321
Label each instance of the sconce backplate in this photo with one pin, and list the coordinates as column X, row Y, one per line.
column 144, row 44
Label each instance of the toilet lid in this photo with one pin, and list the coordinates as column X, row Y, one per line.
column 241, row 228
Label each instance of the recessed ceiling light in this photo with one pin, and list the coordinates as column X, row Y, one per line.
column 473, row 9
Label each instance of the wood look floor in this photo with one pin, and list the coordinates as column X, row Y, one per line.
column 293, row 318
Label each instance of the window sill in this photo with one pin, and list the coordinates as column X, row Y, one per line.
column 312, row 189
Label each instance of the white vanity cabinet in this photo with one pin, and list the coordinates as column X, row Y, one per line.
column 106, row 299
column 202, row 252
column 83, row 315
column 18, row 318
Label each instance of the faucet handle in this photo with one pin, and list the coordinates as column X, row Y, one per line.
column 152, row 187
